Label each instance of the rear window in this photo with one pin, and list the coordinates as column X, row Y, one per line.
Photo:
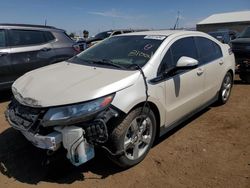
column 26, row 37
column 2, row 39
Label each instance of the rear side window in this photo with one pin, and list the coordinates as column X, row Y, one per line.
column 117, row 33
column 26, row 37
column 127, row 31
column 2, row 39
column 49, row 36
column 184, row 47
column 207, row 49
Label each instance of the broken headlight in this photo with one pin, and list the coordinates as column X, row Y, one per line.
column 65, row 114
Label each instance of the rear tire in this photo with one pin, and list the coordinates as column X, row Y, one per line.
column 135, row 141
column 226, row 88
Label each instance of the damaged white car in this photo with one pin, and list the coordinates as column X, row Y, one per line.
column 121, row 94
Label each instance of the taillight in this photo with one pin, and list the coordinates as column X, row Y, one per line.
column 77, row 48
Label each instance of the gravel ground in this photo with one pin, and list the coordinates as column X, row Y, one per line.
column 212, row 149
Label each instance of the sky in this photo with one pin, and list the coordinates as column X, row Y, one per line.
column 100, row 15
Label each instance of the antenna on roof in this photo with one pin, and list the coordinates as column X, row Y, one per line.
column 177, row 21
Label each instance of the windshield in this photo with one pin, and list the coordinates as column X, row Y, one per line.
column 245, row 33
column 121, row 51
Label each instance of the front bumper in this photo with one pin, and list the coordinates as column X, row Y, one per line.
column 29, row 121
column 51, row 141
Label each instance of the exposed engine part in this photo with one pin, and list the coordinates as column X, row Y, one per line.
column 96, row 132
column 79, row 151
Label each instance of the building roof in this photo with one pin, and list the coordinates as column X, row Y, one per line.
column 242, row 16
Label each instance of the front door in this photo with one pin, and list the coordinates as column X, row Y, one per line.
column 184, row 89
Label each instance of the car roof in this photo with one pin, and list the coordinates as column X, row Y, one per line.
column 28, row 26
column 164, row 32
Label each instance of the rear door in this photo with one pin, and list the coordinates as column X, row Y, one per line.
column 211, row 60
column 6, row 72
column 184, row 89
column 30, row 49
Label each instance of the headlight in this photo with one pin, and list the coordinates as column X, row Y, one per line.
column 72, row 112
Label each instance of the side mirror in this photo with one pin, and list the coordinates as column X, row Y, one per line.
column 186, row 62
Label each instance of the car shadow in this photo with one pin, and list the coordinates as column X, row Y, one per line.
column 180, row 126
column 22, row 161
column 240, row 82
column 5, row 95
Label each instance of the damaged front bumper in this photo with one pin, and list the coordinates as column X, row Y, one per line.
column 78, row 139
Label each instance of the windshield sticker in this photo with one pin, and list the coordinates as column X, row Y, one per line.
column 136, row 53
column 155, row 37
column 148, row 47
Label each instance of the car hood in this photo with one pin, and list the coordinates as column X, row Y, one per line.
column 68, row 83
column 241, row 40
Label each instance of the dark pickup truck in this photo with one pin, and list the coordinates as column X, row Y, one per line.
column 241, row 49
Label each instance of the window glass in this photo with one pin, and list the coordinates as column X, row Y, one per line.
column 127, row 31
column 218, row 52
column 122, row 50
column 49, row 36
column 103, row 35
column 117, row 33
column 26, row 37
column 184, row 47
column 208, row 50
column 2, row 38
column 167, row 62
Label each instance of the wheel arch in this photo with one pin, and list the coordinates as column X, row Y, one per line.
column 156, row 112
column 231, row 72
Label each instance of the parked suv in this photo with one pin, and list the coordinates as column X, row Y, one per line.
column 241, row 49
column 121, row 94
column 27, row 47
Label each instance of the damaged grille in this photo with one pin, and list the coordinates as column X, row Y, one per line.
column 22, row 117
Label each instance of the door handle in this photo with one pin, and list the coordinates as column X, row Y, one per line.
column 45, row 49
column 200, row 72
column 221, row 62
column 3, row 54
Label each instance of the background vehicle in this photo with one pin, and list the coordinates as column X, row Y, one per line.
column 103, row 35
column 224, row 36
column 27, row 47
column 241, row 49
column 123, row 92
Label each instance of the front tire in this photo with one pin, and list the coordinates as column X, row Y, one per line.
column 135, row 141
column 226, row 88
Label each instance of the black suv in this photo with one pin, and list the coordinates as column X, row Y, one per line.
column 241, row 49
column 27, row 47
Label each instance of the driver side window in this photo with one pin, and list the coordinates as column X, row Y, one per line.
column 167, row 62
column 182, row 47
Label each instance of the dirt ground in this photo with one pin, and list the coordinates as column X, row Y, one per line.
column 210, row 150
